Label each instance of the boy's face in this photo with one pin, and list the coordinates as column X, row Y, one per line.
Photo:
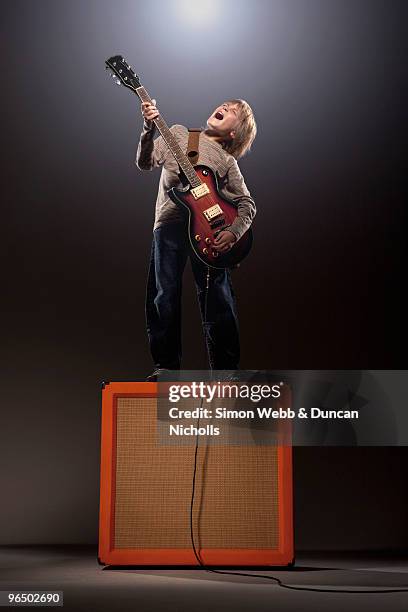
column 224, row 120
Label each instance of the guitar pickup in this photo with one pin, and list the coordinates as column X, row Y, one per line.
column 212, row 212
column 200, row 191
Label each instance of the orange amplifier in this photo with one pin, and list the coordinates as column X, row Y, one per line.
column 243, row 505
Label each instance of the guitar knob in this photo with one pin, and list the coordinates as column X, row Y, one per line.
column 215, row 253
column 205, row 251
column 208, row 241
column 197, row 237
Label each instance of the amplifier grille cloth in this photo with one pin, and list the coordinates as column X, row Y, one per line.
column 236, row 502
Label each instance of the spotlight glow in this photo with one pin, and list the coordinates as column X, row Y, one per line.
column 198, row 12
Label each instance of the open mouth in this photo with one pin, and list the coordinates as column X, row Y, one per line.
column 219, row 115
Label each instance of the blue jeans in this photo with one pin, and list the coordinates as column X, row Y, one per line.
column 170, row 249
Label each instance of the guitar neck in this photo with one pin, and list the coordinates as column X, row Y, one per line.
column 172, row 143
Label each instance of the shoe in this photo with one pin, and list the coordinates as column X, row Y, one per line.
column 153, row 376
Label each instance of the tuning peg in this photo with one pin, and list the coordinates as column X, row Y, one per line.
column 118, row 83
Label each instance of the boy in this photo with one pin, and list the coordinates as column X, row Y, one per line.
column 229, row 134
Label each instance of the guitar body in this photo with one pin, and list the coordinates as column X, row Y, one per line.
column 203, row 230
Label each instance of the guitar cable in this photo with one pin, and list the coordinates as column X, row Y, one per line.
column 202, row 565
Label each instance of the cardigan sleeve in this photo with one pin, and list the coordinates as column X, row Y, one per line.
column 236, row 189
column 150, row 151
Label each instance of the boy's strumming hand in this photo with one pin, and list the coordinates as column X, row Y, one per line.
column 149, row 110
column 224, row 241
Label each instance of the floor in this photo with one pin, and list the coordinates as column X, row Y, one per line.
column 88, row 586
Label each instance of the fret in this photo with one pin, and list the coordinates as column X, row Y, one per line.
column 182, row 159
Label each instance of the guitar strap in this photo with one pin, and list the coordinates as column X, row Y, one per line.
column 192, row 146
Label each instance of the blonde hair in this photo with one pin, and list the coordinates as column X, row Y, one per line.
column 245, row 132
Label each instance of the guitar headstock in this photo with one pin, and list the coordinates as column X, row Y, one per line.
column 122, row 72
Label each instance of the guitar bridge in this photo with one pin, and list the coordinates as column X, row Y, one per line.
column 217, row 223
column 200, row 191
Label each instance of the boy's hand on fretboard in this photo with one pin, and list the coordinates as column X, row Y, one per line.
column 149, row 110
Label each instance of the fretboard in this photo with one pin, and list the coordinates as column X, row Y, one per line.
column 181, row 158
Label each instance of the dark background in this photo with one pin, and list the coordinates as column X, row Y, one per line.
column 323, row 287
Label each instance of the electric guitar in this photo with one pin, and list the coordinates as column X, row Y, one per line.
column 209, row 212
